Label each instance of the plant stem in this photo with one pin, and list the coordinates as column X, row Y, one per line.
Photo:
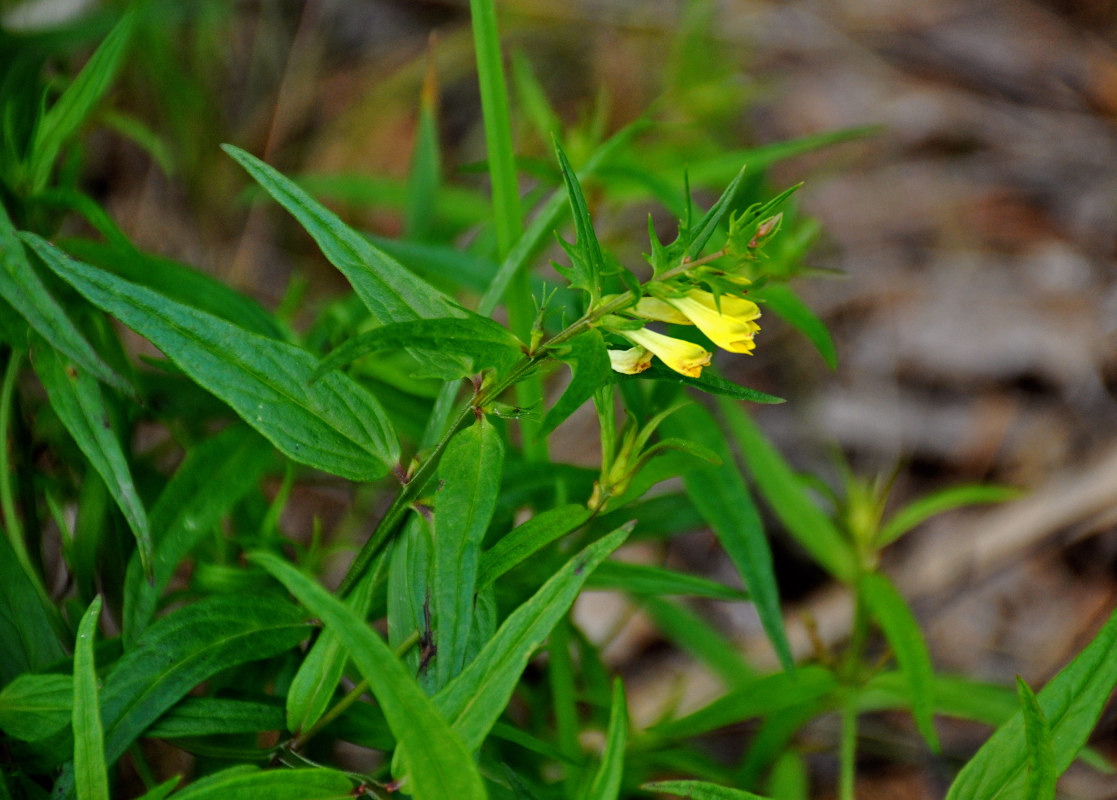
column 848, row 755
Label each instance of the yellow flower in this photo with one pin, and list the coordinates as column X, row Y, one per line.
column 731, row 329
column 684, row 357
column 631, row 361
column 654, row 308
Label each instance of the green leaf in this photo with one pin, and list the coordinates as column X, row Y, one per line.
column 1041, row 751
column 90, row 772
column 891, row 611
column 213, row 476
column 589, row 364
column 185, row 648
column 432, row 772
column 476, row 698
column 391, row 292
column 239, row 783
column 527, row 539
column 780, row 298
column 207, row 716
column 700, row 790
column 162, row 790
column 318, row 676
column 75, row 104
column 785, row 494
column 76, row 398
column 755, row 698
column 532, row 99
column 606, row 783
column 587, row 262
column 26, row 634
column 924, row 508
column 641, row 579
column 708, row 225
column 723, row 500
column 706, row 382
column 23, row 289
column 334, row 425
column 34, row 707
column 426, row 163
column 470, row 473
column 1072, row 702
column 480, row 343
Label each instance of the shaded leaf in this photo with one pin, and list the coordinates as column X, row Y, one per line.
column 642, row 579
column 33, row 707
column 238, row 783
column 707, row 382
column 207, row 716
column 606, row 783
column 699, row 790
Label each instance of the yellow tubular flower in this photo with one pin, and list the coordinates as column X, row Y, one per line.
column 654, row 308
column 730, row 329
column 683, row 357
column 631, row 361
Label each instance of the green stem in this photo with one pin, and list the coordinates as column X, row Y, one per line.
column 848, row 757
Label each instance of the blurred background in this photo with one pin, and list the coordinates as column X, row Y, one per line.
column 965, row 263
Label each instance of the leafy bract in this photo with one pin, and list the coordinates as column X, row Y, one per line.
column 432, row 772
column 334, row 425
column 587, row 264
column 589, row 365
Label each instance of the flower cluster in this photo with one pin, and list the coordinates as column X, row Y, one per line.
column 728, row 321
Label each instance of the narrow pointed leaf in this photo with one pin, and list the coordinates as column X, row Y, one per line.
column 712, row 218
column 237, row 783
column 24, row 290
column 90, row 773
column 589, row 264
column 802, row 517
column 208, row 716
column 525, row 540
column 34, row 706
column 890, row 610
column 1041, row 751
column 707, row 382
column 700, row 790
column 589, row 364
column 643, row 579
column 1072, row 701
column 721, row 496
column 26, row 634
column 334, row 425
column 433, row 772
column 924, row 508
column 470, row 473
column 475, row 699
column 606, row 783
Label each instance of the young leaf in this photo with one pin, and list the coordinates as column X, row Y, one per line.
column 75, row 104
column 786, row 303
column 476, row 698
column 391, row 292
column 587, row 262
column 432, row 772
column 1072, row 702
column 22, row 288
column 238, row 783
column 641, row 579
column 1041, row 752
column 185, row 648
column 589, row 365
column 924, row 508
column 334, row 425
column 470, row 472
column 804, row 520
column 700, row 790
column 76, row 398
column 213, row 477
column 606, row 783
column 527, row 539
column 33, row 707
column 479, row 343
column 890, row 610
column 720, row 495
column 90, row 772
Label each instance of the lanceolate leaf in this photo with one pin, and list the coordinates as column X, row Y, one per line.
column 700, row 790
column 707, row 382
column 712, row 218
column 470, row 473
column 589, row 363
column 588, row 264
column 90, row 773
column 34, row 706
column 391, row 292
column 476, row 698
column 606, row 783
column 527, row 539
column 642, row 579
column 210, row 480
column 183, row 649
column 238, row 783
column 22, row 288
column 480, row 343
column 1041, row 751
column 434, row 773
column 1072, row 702
column 76, row 398
column 924, row 508
column 206, row 716
column 890, row 610
column 334, row 425
column 720, row 495
column 26, row 634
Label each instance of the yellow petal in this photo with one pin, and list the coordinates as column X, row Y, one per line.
column 731, row 329
column 631, row 362
column 654, row 308
column 686, row 358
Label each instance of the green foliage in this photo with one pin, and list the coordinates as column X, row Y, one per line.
column 424, row 399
